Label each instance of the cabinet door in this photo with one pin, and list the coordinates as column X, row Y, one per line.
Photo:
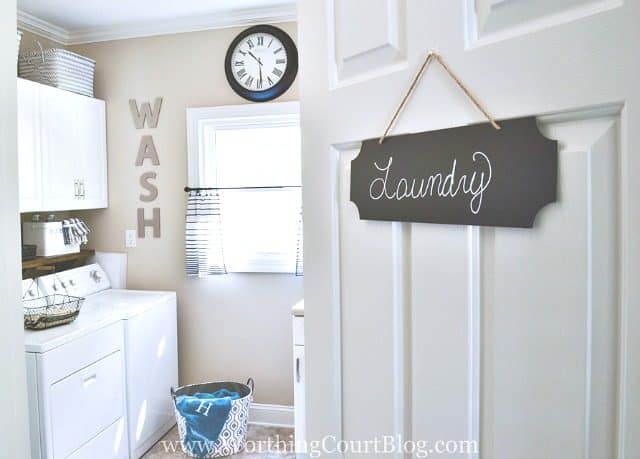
column 60, row 165
column 91, row 148
column 298, row 393
column 29, row 146
column 74, row 164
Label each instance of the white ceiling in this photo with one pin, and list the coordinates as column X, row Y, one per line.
column 84, row 14
column 82, row 20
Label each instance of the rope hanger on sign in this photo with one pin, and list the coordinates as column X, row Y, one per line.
column 431, row 55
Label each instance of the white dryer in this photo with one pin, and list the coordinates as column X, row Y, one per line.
column 100, row 386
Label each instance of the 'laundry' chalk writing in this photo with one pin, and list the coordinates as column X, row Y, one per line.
column 444, row 186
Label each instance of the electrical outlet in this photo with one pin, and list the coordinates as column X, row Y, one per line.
column 130, row 238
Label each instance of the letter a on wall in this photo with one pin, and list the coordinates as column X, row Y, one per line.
column 146, row 150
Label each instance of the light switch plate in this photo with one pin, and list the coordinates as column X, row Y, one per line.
column 130, row 238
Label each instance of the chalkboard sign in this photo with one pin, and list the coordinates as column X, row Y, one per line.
column 470, row 175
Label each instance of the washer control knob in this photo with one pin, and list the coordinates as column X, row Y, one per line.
column 96, row 276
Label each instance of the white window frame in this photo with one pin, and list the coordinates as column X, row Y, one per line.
column 225, row 117
column 228, row 116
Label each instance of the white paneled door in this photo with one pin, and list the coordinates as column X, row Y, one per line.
column 525, row 341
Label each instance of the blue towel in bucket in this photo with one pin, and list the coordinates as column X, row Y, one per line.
column 205, row 414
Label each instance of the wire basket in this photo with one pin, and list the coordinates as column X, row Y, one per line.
column 49, row 311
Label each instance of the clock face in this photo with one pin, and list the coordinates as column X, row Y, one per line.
column 261, row 63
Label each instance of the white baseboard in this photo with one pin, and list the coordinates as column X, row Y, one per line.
column 271, row 415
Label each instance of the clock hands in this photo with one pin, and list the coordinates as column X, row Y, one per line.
column 259, row 83
column 256, row 58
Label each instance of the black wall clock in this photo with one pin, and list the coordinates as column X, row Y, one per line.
column 261, row 63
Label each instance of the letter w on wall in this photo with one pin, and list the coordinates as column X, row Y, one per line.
column 145, row 114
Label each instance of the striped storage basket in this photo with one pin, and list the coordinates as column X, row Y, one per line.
column 19, row 40
column 59, row 68
column 233, row 435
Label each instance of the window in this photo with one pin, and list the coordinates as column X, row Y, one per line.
column 251, row 155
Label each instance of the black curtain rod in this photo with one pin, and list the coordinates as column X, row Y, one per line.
column 187, row 188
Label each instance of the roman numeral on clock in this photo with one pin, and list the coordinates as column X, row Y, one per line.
column 277, row 72
column 241, row 73
column 239, row 63
column 250, row 43
column 249, row 81
column 280, row 61
column 260, row 40
column 277, row 50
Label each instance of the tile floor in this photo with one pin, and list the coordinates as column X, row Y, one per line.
column 258, row 436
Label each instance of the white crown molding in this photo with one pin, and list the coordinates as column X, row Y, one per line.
column 45, row 29
column 246, row 17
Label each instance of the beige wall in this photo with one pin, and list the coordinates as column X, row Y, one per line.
column 230, row 327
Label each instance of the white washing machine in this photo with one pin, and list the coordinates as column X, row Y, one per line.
column 100, row 386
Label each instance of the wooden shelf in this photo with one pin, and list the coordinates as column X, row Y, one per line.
column 40, row 266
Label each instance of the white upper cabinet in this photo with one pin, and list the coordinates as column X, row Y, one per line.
column 29, row 146
column 63, row 158
column 91, row 145
column 59, row 155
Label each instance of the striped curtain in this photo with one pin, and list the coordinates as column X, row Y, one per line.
column 203, row 234
column 204, row 248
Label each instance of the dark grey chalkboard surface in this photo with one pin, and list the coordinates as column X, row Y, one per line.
column 470, row 175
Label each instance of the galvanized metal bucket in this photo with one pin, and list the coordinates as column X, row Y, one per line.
column 233, row 435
